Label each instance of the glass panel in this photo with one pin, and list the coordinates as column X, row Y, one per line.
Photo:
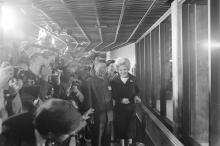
column 155, row 68
column 214, row 125
column 200, row 103
column 148, row 66
column 142, row 78
column 196, row 73
column 166, row 69
column 158, row 104
column 169, row 109
column 137, row 62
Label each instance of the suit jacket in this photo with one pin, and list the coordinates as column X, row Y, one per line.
column 18, row 130
column 128, row 90
column 60, row 92
column 99, row 94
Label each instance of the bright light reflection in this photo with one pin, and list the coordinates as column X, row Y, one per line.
column 53, row 41
column 42, row 34
column 213, row 45
column 8, row 18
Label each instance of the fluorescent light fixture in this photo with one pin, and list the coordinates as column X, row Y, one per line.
column 101, row 26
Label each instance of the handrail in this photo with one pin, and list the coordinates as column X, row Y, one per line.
column 165, row 131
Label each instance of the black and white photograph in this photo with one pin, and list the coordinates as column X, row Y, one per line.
column 109, row 72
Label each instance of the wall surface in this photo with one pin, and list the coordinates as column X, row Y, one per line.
column 126, row 51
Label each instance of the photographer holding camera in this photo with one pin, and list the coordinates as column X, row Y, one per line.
column 12, row 86
column 68, row 88
column 6, row 74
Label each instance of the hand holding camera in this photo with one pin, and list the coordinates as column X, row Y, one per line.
column 77, row 92
column 87, row 114
column 74, row 86
column 55, row 77
column 15, row 84
column 45, row 71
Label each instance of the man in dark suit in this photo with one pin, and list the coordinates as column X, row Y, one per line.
column 53, row 124
column 100, row 99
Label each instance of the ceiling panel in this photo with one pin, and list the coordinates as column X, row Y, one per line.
column 108, row 13
column 157, row 10
column 60, row 14
column 98, row 24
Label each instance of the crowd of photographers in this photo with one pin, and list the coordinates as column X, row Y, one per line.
column 41, row 105
column 26, row 91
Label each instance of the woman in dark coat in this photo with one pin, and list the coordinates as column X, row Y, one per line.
column 125, row 93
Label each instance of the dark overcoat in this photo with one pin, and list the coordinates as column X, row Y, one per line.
column 99, row 98
column 18, row 130
column 99, row 94
column 124, row 114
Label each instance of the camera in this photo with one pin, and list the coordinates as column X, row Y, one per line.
column 75, row 83
column 54, row 78
column 19, row 72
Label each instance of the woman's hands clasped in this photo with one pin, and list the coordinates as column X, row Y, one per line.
column 127, row 101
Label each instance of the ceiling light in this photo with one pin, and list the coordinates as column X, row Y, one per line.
column 101, row 26
column 8, row 19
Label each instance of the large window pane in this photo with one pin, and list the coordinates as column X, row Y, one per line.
column 196, row 73
column 138, row 68
column 155, row 68
column 148, row 66
column 142, row 78
column 166, row 69
column 214, row 135
column 200, row 104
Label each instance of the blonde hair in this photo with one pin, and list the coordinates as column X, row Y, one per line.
column 122, row 61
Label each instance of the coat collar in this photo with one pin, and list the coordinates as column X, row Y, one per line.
column 130, row 79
